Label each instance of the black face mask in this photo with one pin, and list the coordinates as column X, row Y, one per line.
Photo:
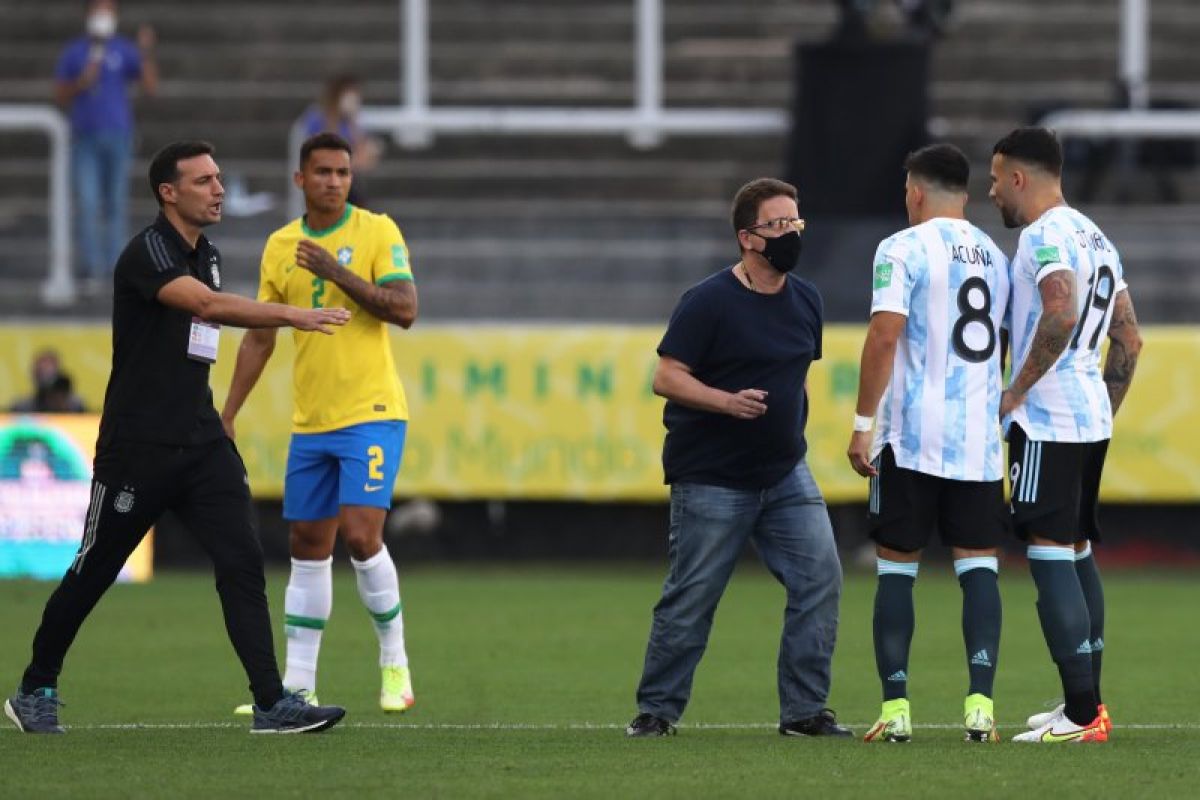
column 783, row 252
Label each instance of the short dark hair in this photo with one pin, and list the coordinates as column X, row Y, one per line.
column 752, row 195
column 940, row 164
column 164, row 167
column 326, row 140
column 1036, row 146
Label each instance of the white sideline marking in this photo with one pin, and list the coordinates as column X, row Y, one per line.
column 551, row 726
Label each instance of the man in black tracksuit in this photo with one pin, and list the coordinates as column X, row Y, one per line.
column 162, row 446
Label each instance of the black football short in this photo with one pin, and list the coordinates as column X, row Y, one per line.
column 906, row 505
column 1055, row 487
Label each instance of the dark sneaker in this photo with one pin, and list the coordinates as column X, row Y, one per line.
column 36, row 712
column 823, row 724
column 293, row 714
column 649, row 725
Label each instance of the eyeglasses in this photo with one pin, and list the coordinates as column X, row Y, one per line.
column 780, row 225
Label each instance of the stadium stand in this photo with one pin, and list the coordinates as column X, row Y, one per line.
column 583, row 227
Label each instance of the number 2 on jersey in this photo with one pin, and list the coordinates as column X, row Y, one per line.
column 375, row 454
column 318, row 292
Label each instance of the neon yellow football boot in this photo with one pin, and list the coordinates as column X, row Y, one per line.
column 396, row 693
column 979, row 719
column 894, row 723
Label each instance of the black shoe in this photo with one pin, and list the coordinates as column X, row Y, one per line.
column 293, row 714
column 823, row 724
column 36, row 712
column 649, row 725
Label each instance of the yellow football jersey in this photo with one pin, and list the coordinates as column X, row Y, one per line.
column 349, row 377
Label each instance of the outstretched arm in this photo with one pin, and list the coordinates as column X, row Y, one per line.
column 188, row 294
column 1125, row 343
column 1059, row 315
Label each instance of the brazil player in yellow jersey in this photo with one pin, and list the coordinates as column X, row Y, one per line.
column 350, row 415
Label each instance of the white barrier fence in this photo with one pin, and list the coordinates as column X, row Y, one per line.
column 415, row 122
column 59, row 286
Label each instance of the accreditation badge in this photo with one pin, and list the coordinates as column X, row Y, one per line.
column 203, row 341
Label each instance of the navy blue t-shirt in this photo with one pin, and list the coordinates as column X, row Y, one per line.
column 732, row 339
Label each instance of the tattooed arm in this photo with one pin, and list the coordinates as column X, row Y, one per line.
column 395, row 302
column 1059, row 315
column 1125, row 342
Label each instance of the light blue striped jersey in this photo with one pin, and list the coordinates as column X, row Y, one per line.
column 940, row 410
column 1070, row 402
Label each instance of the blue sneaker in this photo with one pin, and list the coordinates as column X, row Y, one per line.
column 36, row 712
column 293, row 714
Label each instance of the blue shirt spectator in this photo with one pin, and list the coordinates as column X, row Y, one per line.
column 104, row 108
column 92, row 82
column 316, row 121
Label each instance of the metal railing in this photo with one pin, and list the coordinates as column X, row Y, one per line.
column 59, row 286
column 415, row 122
column 1135, row 51
column 1124, row 123
column 1136, row 121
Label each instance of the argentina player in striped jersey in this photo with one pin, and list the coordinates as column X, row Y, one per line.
column 1069, row 291
column 930, row 387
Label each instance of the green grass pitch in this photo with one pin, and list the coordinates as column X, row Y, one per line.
column 525, row 676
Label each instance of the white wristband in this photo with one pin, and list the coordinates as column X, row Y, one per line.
column 863, row 424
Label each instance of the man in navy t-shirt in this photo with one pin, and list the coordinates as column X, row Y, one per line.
column 733, row 366
column 92, row 82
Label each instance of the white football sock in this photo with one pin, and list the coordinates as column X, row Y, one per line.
column 306, row 608
column 379, row 588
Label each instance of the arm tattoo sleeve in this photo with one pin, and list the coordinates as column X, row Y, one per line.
column 1123, row 349
column 395, row 302
column 1059, row 314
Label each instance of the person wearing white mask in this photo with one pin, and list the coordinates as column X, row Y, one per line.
column 92, row 81
column 336, row 111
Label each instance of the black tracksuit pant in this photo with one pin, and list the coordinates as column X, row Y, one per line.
column 134, row 484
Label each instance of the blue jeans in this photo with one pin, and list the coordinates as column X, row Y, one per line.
column 100, row 168
column 790, row 527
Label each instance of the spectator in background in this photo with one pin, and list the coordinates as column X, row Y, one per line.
column 337, row 112
column 60, row 398
column 52, row 389
column 92, row 82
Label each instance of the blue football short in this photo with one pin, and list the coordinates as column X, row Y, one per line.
column 352, row 466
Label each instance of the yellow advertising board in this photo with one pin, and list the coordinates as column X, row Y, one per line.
column 566, row 411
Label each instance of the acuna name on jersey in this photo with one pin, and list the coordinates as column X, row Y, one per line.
column 976, row 254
